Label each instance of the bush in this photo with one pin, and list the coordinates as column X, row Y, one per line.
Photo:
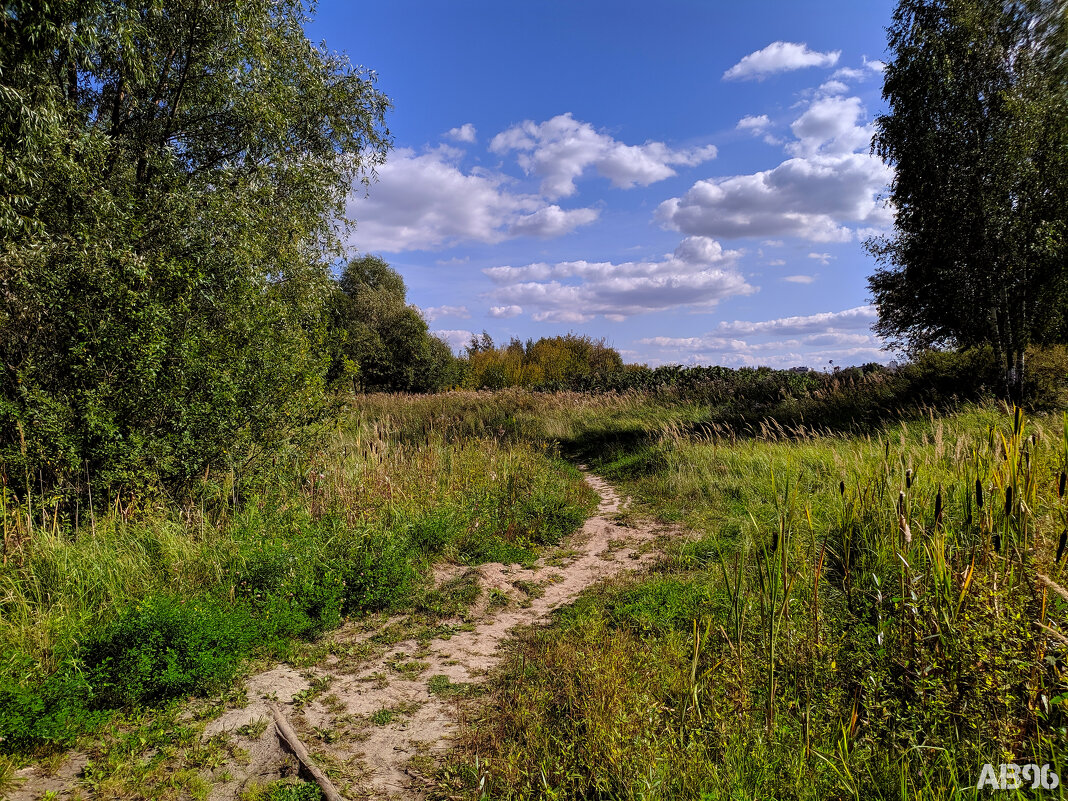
column 167, row 647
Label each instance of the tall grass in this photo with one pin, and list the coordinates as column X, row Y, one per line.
column 134, row 601
column 855, row 622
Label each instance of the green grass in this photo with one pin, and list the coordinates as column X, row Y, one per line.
column 803, row 647
column 149, row 600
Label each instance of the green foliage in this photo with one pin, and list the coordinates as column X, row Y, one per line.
column 170, row 181
column 977, row 136
column 284, row 791
column 854, row 623
column 379, row 342
column 549, row 363
column 137, row 606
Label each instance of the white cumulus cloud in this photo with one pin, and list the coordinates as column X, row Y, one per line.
column 457, row 338
column 780, row 57
column 757, row 124
column 699, row 274
column 813, row 340
column 424, row 201
column 465, row 133
column 432, row 313
column 825, row 193
column 505, row 312
column 561, row 149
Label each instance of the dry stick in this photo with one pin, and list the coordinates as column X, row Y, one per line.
column 1057, row 588
column 1052, row 632
column 289, row 737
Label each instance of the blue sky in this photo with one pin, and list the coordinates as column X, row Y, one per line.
column 689, row 180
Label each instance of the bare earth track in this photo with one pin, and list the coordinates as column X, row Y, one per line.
column 386, row 702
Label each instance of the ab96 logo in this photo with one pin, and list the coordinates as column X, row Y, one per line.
column 1011, row 776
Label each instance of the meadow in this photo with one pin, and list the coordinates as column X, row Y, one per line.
column 866, row 614
column 130, row 603
column 864, row 609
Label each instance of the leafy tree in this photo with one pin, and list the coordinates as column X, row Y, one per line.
column 550, row 362
column 381, row 343
column 977, row 131
column 171, row 174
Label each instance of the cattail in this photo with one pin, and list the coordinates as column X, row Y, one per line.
column 1016, row 422
column 938, row 507
column 979, row 494
column 1008, row 500
column 908, row 479
column 841, row 488
column 1061, row 544
column 1060, row 487
column 996, row 539
column 901, row 504
column 775, row 541
column 906, row 532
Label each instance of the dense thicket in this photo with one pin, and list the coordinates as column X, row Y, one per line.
column 977, row 133
column 171, row 176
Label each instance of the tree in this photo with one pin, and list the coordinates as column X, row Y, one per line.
column 171, row 175
column 977, row 131
column 381, row 343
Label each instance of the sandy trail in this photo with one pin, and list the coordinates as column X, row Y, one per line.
column 376, row 713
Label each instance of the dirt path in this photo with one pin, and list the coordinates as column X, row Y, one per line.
column 385, row 702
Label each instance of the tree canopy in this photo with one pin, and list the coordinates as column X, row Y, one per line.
column 977, row 132
column 380, row 342
column 172, row 174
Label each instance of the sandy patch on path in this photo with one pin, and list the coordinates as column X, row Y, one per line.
column 378, row 717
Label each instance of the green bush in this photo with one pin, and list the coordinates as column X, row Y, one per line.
column 42, row 708
column 166, row 647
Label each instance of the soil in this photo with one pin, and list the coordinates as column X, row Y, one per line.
column 386, row 701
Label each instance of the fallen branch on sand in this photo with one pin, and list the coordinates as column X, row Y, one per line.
column 289, row 739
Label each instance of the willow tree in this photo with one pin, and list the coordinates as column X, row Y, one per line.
column 171, row 177
column 977, row 133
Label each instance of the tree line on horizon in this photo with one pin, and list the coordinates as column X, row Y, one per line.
column 173, row 179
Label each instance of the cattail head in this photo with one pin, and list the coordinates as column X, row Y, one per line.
column 841, row 488
column 908, row 479
column 906, row 532
column 1060, row 486
column 979, row 494
column 1061, row 544
column 1008, row 500
column 901, row 504
column 938, row 506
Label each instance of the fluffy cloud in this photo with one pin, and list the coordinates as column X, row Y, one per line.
column 833, row 88
column 432, row 313
column 697, row 275
column 812, row 340
column 424, row 201
column 831, row 126
column 505, row 312
column 779, row 57
column 552, row 221
column 859, row 317
column 756, row 124
column 799, row 279
column 822, row 258
column 560, row 150
column 465, row 133
column 817, row 195
column 457, row 338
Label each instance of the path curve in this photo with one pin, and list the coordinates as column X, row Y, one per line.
column 380, row 715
